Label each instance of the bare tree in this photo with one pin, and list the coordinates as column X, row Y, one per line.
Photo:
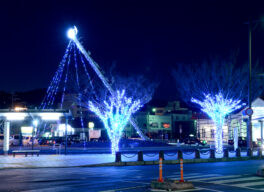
column 214, row 76
column 218, row 86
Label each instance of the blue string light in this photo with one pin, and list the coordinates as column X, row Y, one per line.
column 78, row 84
column 65, row 82
column 85, row 69
column 52, row 89
column 115, row 114
column 218, row 107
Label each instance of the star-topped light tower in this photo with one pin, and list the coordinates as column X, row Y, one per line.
column 218, row 107
column 72, row 34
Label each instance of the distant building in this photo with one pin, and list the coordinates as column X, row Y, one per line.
column 206, row 127
column 169, row 122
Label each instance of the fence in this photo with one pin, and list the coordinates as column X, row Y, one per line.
column 190, row 154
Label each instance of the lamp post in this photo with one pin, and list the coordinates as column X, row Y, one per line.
column 249, row 123
column 249, row 126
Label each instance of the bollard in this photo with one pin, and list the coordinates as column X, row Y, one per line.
column 249, row 152
column 180, row 156
column 212, row 153
column 161, row 155
column 238, row 152
column 140, row 156
column 226, row 153
column 181, row 164
column 260, row 152
column 118, row 157
column 160, row 171
column 197, row 154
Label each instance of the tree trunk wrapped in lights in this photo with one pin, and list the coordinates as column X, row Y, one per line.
column 213, row 78
column 115, row 115
column 217, row 107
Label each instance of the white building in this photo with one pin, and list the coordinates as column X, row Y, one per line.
column 206, row 127
column 206, row 131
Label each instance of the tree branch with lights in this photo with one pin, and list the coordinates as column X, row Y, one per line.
column 218, row 86
column 115, row 115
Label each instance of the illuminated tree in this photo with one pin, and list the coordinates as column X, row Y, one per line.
column 217, row 107
column 217, row 86
column 115, row 114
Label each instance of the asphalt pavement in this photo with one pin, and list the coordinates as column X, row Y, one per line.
column 222, row 176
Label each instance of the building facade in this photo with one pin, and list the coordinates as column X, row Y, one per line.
column 234, row 123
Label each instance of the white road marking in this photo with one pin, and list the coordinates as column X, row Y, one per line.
column 249, row 184
column 219, row 177
column 136, row 182
column 113, row 190
column 237, row 179
column 197, row 176
column 202, row 188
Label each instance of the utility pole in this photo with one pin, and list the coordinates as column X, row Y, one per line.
column 249, row 126
column 251, row 28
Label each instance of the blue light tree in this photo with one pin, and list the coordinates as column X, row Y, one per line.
column 217, row 85
column 115, row 115
column 218, row 107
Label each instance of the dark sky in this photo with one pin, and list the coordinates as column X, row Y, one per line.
column 146, row 37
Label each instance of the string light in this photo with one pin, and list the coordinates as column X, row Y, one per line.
column 78, row 85
column 217, row 107
column 115, row 114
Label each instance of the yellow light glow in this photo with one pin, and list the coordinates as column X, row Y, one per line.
column 91, row 125
column 20, row 108
column 26, row 130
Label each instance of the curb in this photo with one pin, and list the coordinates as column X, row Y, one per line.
column 171, row 162
column 137, row 163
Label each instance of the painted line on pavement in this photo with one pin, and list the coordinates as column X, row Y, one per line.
column 202, row 188
column 135, row 182
column 237, row 179
column 113, row 190
column 197, row 176
column 249, row 184
column 219, row 177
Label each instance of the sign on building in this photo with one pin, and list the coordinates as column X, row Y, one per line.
column 94, row 134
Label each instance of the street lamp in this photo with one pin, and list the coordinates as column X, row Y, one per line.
column 249, row 123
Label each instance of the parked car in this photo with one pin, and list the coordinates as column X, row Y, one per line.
column 194, row 141
column 14, row 140
column 27, row 141
column 45, row 140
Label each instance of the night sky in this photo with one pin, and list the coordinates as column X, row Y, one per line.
column 142, row 37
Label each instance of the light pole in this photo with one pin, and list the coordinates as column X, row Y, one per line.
column 249, row 123
column 249, row 127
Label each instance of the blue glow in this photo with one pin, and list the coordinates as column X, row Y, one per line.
column 72, row 32
column 217, row 107
column 78, row 84
column 53, row 87
column 65, row 82
column 115, row 114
